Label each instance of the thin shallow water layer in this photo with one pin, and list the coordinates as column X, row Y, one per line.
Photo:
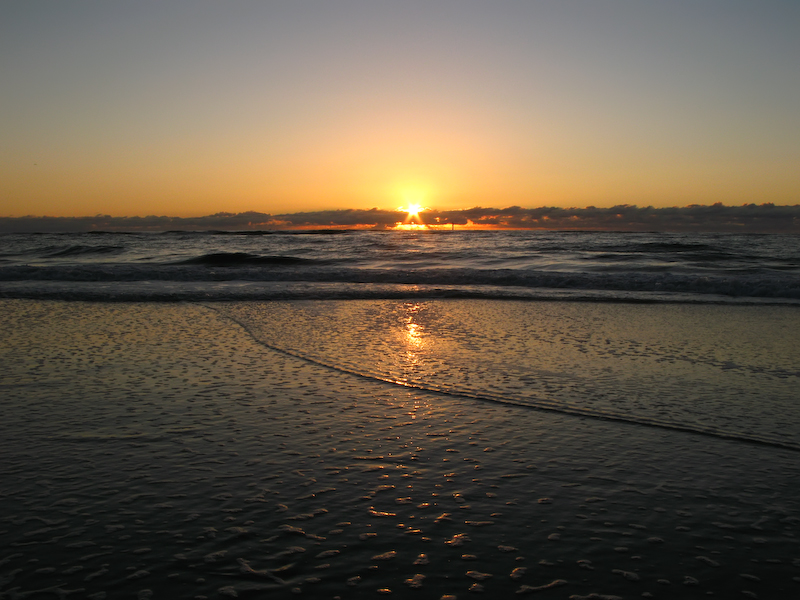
column 159, row 451
column 727, row 370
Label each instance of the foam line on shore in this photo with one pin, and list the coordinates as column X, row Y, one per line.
column 539, row 404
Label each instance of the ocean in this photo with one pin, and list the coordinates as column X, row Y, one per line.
column 337, row 264
column 345, row 414
column 666, row 330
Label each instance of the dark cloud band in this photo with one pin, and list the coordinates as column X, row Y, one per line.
column 748, row 218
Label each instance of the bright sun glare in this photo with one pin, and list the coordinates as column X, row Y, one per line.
column 412, row 220
column 413, row 211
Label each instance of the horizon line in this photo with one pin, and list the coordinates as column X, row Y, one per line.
column 717, row 217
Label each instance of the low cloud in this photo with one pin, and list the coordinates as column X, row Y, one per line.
column 748, row 218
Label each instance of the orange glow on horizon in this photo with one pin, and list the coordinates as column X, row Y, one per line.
column 410, row 227
column 412, row 209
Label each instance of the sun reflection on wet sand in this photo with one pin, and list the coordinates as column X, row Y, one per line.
column 658, row 365
column 412, row 339
column 414, row 334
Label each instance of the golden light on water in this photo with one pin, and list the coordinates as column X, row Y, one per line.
column 412, row 336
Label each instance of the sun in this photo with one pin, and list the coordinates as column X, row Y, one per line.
column 413, row 211
column 412, row 221
column 412, row 207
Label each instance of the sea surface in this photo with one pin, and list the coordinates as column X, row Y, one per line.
column 695, row 332
column 335, row 264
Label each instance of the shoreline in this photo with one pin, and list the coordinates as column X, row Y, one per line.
column 160, row 450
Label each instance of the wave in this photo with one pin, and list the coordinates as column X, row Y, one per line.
column 234, row 259
column 231, row 265
column 235, row 291
column 231, row 274
column 80, row 250
column 541, row 403
column 111, row 233
column 256, row 232
column 660, row 246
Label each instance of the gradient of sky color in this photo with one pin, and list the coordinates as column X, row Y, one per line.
column 191, row 107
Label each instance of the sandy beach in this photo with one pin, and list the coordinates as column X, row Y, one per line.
column 158, row 450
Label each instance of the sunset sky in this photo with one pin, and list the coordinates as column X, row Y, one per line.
column 189, row 108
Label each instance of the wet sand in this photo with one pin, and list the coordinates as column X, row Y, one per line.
column 159, row 451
